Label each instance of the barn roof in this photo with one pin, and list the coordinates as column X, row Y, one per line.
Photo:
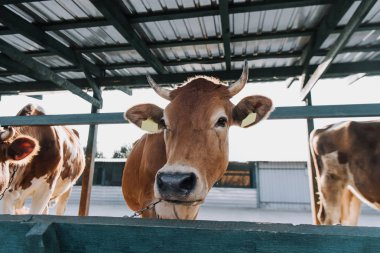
column 87, row 44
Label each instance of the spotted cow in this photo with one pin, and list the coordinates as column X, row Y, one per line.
column 49, row 176
column 347, row 161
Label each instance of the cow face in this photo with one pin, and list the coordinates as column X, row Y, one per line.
column 14, row 150
column 195, row 126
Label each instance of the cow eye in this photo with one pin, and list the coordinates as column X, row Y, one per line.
column 162, row 123
column 222, row 121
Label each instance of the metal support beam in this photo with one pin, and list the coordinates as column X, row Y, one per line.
column 113, row 12
column 88, row 173
column 260, row 74
column 337, row 10
column 360, row 13
column 290, row 112
column 44, row 73
column 295, row 54
column 225, row 20
column 31, row 31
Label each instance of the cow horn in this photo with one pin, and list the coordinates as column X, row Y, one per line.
column 7, row 134
column 164, row 93
column 237, row 86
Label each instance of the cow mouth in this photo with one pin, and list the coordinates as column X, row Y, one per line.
column 184, row 202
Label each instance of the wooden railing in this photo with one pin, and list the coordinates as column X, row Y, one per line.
column 95, row 234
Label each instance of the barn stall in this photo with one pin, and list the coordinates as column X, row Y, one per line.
column 95, row 45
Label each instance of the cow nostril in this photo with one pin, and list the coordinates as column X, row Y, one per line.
column 188, row 182
column 176, row 183
column 160, row 183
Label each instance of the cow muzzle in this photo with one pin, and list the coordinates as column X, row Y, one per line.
column 176, row 184
column 179, row 186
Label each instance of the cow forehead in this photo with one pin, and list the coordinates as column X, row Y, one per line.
column 198, row 98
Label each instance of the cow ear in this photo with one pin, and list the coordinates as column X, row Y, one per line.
column 251, row 110
column 148, row 117
column 22, row 148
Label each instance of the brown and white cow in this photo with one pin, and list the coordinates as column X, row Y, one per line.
column 347, row 161
column 14, row 150
column 187, row 150
column 50, row 175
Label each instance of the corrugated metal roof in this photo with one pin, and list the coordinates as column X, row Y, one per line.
column 195, row 41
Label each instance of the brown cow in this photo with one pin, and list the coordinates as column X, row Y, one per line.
column 14, row 150
column 51, row 174
column 187, row 151
column 347, row 161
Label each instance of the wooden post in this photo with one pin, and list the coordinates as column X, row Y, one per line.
column 88, row 173
column 311, row 170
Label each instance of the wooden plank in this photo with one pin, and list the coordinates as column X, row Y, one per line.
column 107, row 234
column 313, row 184
column 88, row 173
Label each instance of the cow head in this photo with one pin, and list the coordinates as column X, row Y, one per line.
column 195, row 126
column 14, row 150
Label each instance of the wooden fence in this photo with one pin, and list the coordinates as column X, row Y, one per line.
column 95, row 234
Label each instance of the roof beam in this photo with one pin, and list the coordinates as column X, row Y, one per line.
column 325, row 28
column 208, row 10
column 280, row 55
column 31, row 31
column 44, row 73
column 112, row 11
column 259, row 74
column 360, row 13
column 185, row 42
column 214, row 10
column 180, row 62
column 225, row 20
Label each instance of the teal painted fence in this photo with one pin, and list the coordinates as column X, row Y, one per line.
column 291, row 112
column 101, row 234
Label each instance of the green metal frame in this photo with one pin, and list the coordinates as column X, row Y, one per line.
column 225, row 22
column 31, row 31
column 337, row 10
column 113, row 12
column 260, row 74
column 44, row 73
column 290, row 112
column 354, row 22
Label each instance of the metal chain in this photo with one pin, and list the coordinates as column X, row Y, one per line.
column 9, row 183
column 148, row 207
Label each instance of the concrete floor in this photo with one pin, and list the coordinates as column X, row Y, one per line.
column 221, row 204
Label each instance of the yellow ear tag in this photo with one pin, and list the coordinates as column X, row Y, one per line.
column 149, row 125
column 248, row 120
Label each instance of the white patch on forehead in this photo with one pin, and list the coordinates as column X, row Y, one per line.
column 214, row 80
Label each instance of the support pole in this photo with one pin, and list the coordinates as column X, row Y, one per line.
column 313, row 186
column 88, row 174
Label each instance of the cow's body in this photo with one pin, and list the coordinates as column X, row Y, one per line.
column 347, row 160
column 187, row 151
column 50, row 175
